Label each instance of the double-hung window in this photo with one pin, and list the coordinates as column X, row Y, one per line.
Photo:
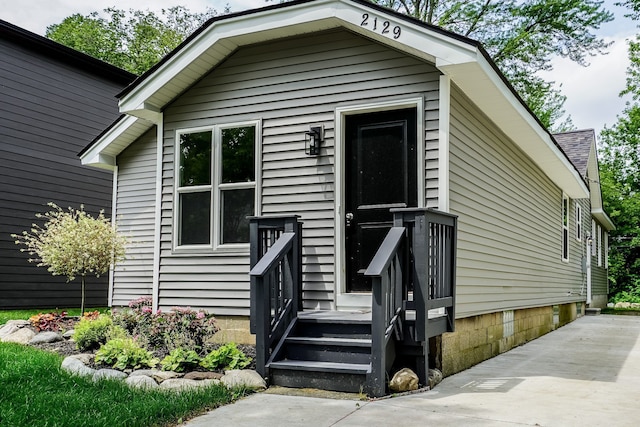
column 215, row 185
column 565, row 227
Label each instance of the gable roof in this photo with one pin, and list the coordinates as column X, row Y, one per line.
column 462, row 59
column 580, row 147
column 577, row 146
column 62, row 53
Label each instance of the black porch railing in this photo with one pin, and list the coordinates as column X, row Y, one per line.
column 419, row 255
column 276, row 281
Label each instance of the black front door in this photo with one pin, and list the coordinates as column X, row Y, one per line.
column 381, row 170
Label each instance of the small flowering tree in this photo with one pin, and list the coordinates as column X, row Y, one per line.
column 72, row 243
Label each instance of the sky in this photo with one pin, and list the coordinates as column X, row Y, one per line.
column 592, row 92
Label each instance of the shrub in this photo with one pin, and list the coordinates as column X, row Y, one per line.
column 89, row 334
column 47, row 321
column 625, row 296
column 227, row 356
column 123, row 353
column 180, row 360
column 167, row 331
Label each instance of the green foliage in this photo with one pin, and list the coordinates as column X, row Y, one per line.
column 36, row 392
column 47, row 321
column 89, row 334
column 180, row 360
column 620, row 184
column 522, row 37
column 73, row 243
column 625, row 296
column 166, row 331
column 124, row 353
column 227, row 356
column 134, row 40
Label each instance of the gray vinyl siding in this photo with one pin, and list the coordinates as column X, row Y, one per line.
column 510, row 222
column 135, row 214
column 288, row 85
column 52, row 105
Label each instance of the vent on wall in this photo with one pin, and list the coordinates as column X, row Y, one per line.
column 507, row 323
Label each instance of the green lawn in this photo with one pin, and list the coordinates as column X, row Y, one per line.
column 34, row 391
column 25, row 314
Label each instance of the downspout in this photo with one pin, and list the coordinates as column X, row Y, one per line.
column 155, row 291
column 589, row 242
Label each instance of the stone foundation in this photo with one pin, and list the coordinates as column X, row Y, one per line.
column 485, row 336
column 234, row 329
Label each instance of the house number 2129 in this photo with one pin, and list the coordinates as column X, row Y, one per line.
column 384, row 27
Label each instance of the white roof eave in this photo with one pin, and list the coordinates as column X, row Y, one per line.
column 460, row 59
column 102, row 153
column 482, row 84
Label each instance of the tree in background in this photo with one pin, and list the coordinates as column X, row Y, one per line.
column 522, row 37
column 620, row 181
column 134, row 40
column 73, row 243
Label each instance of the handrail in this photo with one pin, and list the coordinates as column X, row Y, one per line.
column 387, row 281
column 276, row 281
column 426, row 265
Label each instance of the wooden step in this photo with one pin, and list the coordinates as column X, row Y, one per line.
column 328, row 349
column 345, row 377
column 316, row 366
column 353, row 342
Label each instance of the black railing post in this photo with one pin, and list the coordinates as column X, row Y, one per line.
column 275, row 281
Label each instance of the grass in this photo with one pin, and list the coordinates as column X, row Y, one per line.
column 6, row 315
column 35, row 391
column 621, row 311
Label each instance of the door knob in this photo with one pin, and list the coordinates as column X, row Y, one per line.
column 348, row 217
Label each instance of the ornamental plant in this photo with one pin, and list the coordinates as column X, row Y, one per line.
column 47, row 321
column 180, row 360
column 163, row 332
column 72, row 243
column 89, row 334
column 227, row 356
column 124, row 353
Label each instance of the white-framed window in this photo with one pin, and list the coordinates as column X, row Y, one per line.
column 599, row 246
column 594, row 238
column 215, row 185
column 578, row 222
column 565, row 227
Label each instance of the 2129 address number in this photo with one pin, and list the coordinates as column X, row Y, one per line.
column 384, row 26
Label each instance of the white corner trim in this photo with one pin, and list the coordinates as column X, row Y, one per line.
column 114, row 199
column 444, row 112
column 155, row 284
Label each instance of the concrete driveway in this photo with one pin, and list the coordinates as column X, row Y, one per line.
column 584, row 374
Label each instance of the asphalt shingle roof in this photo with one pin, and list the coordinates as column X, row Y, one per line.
column 577, row 145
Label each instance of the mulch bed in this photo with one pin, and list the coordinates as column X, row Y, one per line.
column 68, row 347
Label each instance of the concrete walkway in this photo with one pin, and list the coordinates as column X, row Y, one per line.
column 584, row 374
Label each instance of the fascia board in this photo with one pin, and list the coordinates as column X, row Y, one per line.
column 593, row 171
column 103, row 152
column 603, row 218
column 484, row 87
column 228, row 34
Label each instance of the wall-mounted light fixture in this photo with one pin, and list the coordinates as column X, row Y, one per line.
column 312, row 139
